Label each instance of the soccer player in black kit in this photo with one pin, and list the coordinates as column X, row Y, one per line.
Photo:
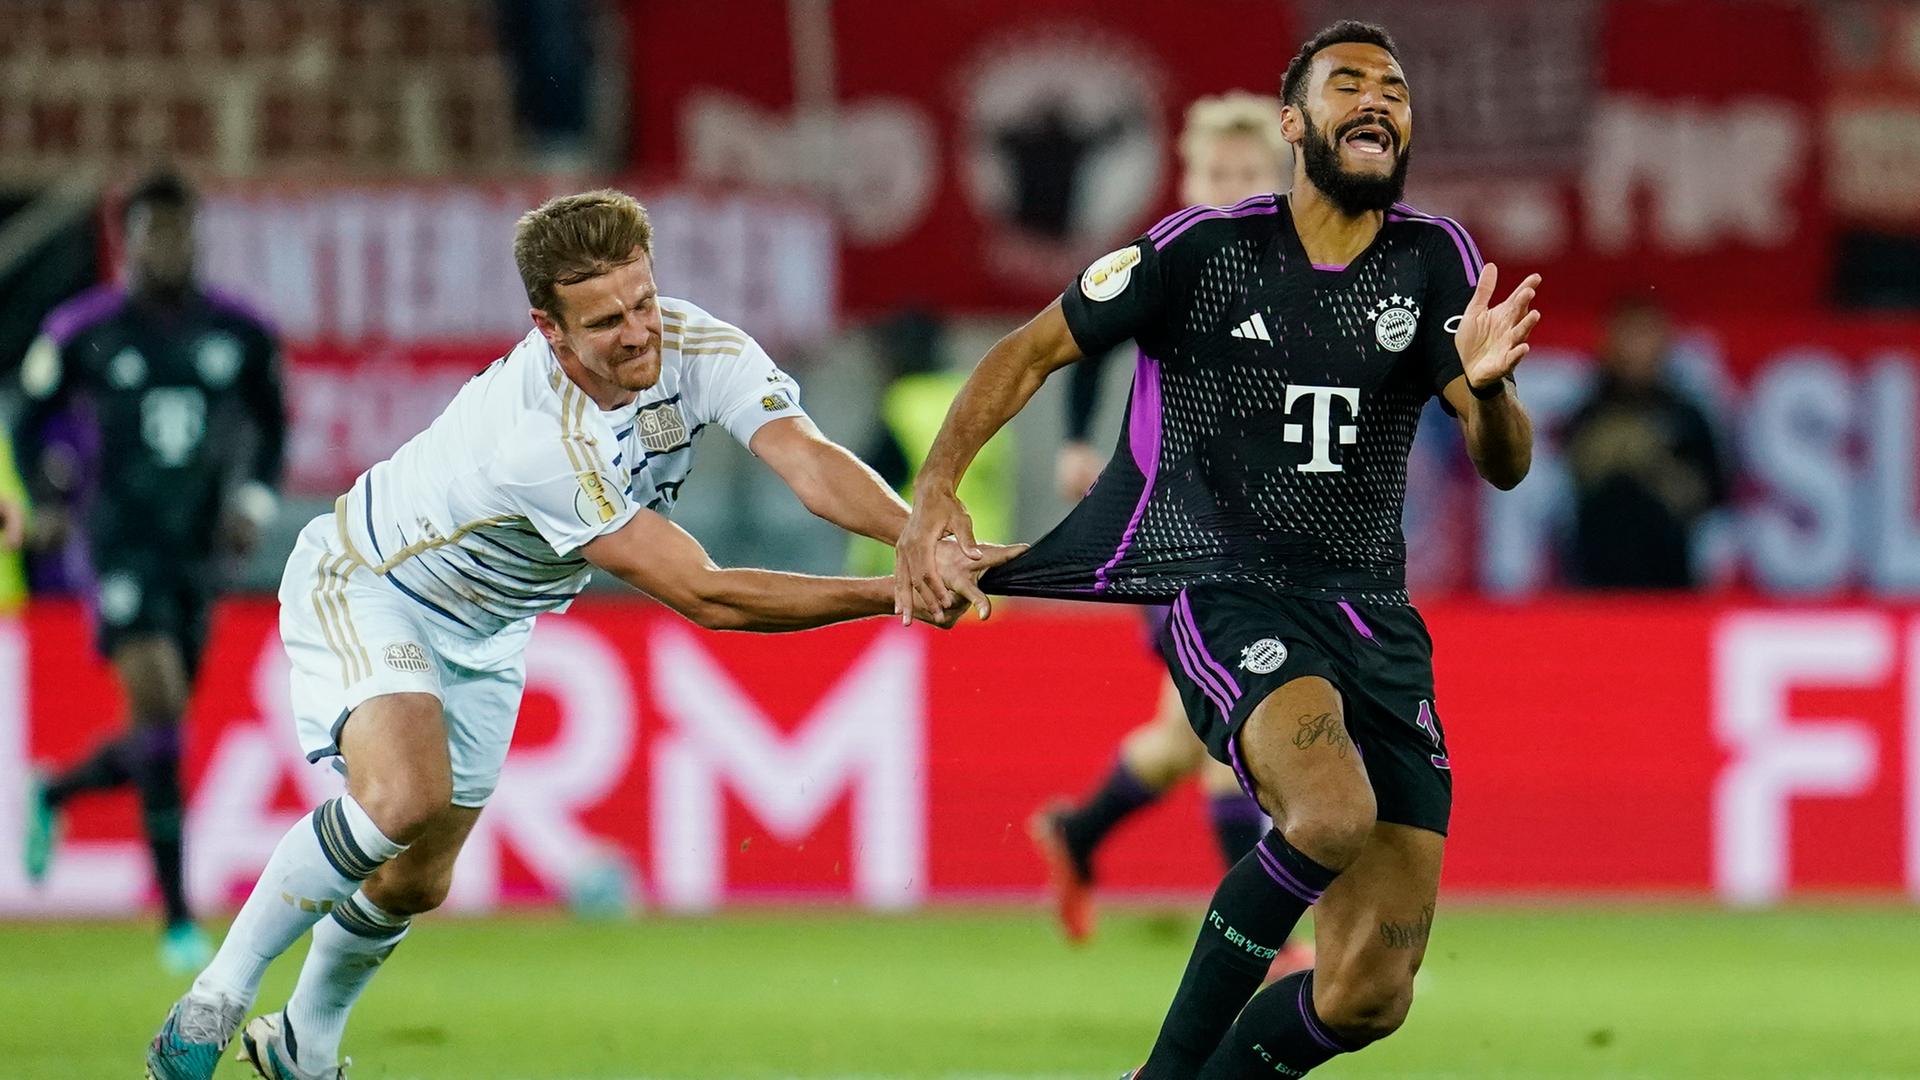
column 1287, row 347
column 175, row 377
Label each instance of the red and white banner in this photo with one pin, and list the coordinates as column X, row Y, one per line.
column 977, row 154
column 1631, row 747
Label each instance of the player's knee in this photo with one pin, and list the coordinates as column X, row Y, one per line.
column 1331, row 829
column 1364, row 1010
column 403, row 808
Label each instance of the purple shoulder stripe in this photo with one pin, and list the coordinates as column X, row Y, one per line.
column 93, row 306
column 1179, row 217
column 1259, row 204
column 1462, row 242
column 233, row 305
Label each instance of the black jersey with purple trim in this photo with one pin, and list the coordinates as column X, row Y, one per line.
column 1273, row 407
column 187, row 401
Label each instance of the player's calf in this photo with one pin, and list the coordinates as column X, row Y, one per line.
column 1365, row 1007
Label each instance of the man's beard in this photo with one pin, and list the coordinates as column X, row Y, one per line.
column 1351, row 193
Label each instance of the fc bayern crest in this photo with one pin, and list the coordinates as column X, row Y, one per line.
column 1395, row 320
column 1263, row 657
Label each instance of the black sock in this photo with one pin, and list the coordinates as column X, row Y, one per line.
column 1248, row 920
column 1278, row 1034
column 1084, row 827
column 1238, row 823
column 156, row 773
column 108, row 766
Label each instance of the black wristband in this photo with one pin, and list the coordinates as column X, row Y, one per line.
column 1498, row 388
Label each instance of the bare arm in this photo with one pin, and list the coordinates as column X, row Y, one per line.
column 662, row 560
column 999, row 387
column 1492, row 340
column 1499, row 433
column 831, row 482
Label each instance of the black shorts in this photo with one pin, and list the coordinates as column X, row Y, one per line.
column 1228, row 647
column 140, row 594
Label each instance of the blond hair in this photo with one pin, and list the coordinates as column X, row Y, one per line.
column 1235, row 112
column 575, row 237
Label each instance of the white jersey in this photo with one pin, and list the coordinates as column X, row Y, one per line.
column 480, row 518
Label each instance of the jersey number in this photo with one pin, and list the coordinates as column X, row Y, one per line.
column 173, row 419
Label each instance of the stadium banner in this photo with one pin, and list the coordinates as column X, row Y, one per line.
column 978, row 153
column 1632, row 748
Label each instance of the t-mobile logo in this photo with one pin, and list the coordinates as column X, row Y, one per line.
column 1323, row 428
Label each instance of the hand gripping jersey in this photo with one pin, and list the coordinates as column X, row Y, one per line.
column 1272, row 411
column 479, row 519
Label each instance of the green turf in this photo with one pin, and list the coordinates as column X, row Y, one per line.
column 1508, row 993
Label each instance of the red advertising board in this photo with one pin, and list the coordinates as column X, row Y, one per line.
column 1631, row 747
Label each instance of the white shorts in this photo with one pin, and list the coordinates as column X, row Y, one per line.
column 351, row 635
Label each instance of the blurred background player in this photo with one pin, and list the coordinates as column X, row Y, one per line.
column 1230, row 149
column 173, row 377
column 1646, row 468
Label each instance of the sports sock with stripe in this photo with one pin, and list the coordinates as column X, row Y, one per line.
column 1277, row 1034
column 1248, row 920
column 348, row 948
column 320, row 862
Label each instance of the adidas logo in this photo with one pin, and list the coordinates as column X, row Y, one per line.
column 1254, row 329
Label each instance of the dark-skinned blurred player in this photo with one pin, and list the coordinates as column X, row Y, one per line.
column 184, row 385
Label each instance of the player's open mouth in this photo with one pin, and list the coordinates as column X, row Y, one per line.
column 1370, row 139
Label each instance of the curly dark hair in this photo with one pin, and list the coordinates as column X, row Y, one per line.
column 1293, row 86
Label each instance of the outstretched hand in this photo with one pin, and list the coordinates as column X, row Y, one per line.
column 918, row 584
column 1493, row 340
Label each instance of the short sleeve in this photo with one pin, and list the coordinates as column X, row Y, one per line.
column 558, row 481
column 1121, row 296
column 1453, row 271
column 739, row 388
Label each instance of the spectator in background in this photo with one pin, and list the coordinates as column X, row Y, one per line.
column 919, row 389
column 1644, row 463
column 550, row 46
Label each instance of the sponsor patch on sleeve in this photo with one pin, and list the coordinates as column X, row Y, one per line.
column 1109, row 274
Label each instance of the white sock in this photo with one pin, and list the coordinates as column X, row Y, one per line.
column 320, row 862
column 348, row 948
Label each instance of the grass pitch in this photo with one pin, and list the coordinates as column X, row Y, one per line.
column 1508, row 993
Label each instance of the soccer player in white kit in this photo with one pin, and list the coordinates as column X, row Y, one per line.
column 406, row 611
